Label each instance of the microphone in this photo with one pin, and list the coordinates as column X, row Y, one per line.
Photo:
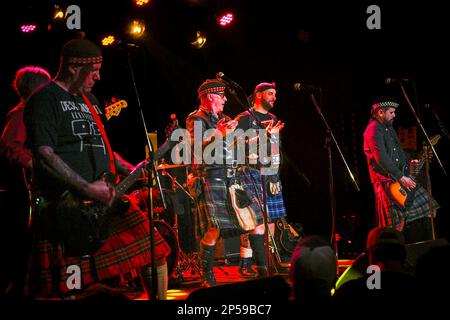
column 121, row 43
column 395, row 80
column 174, row 119
column 299, row 86
column 222, row 76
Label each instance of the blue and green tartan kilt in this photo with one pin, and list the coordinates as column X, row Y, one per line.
column 214, row 209
column 251, row 178
column 391, row 214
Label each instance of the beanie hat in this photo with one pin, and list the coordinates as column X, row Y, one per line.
column 384, row 103
column 211, row 86
column 264, row 86
column 81, row 51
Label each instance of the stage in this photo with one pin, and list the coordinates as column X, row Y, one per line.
column 227, row 275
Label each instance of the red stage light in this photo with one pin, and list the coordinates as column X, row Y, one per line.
column 226, row 19
column 28, row 28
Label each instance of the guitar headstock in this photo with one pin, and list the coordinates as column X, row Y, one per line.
column 434, row 139
column 114, row 107
column 174, row 125
column 427, row 152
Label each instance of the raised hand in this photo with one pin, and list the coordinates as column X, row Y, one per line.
column 225, row 128
column 274, row 129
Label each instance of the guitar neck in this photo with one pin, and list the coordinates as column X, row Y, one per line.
column 418, row 167
column 126, row 183
column 423, row 156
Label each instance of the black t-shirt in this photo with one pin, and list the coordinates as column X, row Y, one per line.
column 62, row 121
column 246, row 120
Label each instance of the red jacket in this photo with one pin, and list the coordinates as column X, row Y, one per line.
column 12, row 142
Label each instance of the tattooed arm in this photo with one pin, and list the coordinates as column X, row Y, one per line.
column 123, row 167
column 52, row 164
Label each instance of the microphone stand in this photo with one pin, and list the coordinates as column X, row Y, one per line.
column 427, row 165
column 330, row 138
column 153, row 294
column 440, row 122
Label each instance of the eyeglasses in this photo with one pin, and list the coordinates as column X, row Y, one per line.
column 222, row 95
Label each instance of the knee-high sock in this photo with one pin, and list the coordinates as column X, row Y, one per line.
column 259, row 253
column 163, row 281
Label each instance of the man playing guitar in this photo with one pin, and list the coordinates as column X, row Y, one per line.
column 388, row 164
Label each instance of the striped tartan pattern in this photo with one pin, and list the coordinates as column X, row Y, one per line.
column 252, row 180
column 215, row 210
column 391, row 214
column 127, row 248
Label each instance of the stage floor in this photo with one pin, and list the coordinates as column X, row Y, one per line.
column 225, row 272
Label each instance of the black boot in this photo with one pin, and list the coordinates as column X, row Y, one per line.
column 145, row 274
column 259, row 253
column 206, row 265
column 245, row 268
column 262, row 271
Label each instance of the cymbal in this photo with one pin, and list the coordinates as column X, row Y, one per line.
column 164, row 166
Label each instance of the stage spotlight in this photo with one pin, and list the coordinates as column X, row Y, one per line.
column 28, row 28
column 58, row 13
column 199, row 41
column 137, row 28
column 225, row 19
column 108, row 40
column 141, row 3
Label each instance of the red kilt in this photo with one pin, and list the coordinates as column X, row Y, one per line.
column 128, row 247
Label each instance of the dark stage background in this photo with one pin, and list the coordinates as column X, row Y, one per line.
column 315, row 42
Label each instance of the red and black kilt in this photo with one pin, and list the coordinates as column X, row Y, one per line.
column 128, row 247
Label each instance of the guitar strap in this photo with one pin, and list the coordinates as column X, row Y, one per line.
column 97, row 120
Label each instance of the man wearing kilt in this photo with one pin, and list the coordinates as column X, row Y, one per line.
column 388, row 163
column 14, row 198
column 265, row 166
column 70, row 152
column 214, row 171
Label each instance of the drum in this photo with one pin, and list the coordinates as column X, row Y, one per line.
column 170, row 236
column 142, row 200
column 178, row 214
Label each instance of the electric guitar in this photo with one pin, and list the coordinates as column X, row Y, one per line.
column 113, row 109
column 83, row 225
column 287, row 236
column 395, row 190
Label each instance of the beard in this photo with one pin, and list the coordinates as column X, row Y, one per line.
column 266, row 105
column 388, row 122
